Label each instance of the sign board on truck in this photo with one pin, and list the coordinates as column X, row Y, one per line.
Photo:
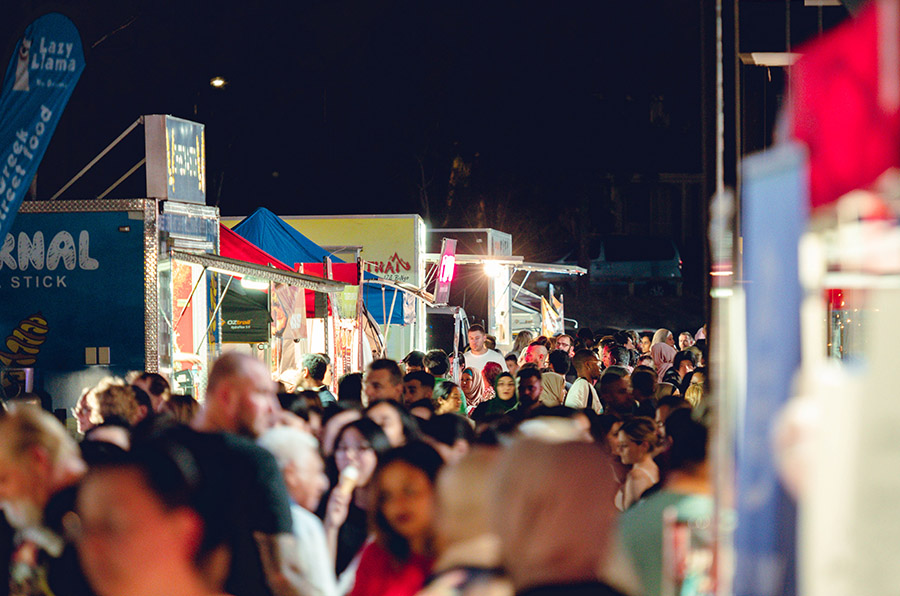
column 176, row 159
column 391, row 245
column 71, row 293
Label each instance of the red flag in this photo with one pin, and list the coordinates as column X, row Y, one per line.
column 852, row 136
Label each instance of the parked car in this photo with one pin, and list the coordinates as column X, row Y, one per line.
column 652, row 261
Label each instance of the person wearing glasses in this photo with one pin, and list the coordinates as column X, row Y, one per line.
column 357, row 450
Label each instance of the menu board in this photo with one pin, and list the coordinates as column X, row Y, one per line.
column 176, row 159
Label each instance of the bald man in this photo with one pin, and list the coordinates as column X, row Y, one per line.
column 244, row 480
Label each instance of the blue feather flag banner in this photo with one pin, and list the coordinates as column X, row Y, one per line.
column 41, row 76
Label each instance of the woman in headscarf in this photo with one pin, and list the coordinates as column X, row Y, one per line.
column 475, row 389
column 663, row 336
column 503, row 401
column 555, row 542
column 663, row 355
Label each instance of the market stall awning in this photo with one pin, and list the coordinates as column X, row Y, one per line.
column 278, row 238
column 550, row 268
column 525, row 299
column 514, row 262
column 244, row 269
column 235, row 246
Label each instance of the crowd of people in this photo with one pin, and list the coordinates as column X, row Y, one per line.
column 548, row 470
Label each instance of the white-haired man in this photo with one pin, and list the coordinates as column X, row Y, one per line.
column 297, row 454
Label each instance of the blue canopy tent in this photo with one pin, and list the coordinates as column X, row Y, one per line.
column 275, row 236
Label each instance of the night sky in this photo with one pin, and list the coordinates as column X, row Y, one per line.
column 364, row 106
column 357, row 106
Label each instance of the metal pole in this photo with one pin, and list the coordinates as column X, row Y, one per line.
column 133, row 169
column 390, row 314
column 384, row 317
column 359, row 311
column 457, row 324
column 327, row 323
column 720, row 104
column 512, row 275
column 326, row 273
column 215, row 312
column 190, row 297
column 521, row 285
column 98, row 158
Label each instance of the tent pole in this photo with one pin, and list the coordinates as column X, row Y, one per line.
column 212, row 318
column 390, row 315
column 190, row 298
column 359, row 311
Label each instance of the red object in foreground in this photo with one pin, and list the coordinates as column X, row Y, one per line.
column 379, row 575
column 836, row 111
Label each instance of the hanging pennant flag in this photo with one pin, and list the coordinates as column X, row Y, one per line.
column 39, row 81
column 550, row 319
column 557, row 304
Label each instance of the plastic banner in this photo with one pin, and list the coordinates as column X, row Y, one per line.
column 39, row 81
column 774, row 197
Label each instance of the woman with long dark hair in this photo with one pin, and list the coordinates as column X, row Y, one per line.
column 358, row 447
column 399, row 559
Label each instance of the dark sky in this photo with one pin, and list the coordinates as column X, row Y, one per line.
column 331, row 106
column 356, row 106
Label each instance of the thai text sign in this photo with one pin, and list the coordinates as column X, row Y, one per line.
column 388, row 243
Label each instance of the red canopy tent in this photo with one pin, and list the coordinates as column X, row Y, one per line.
column 234, row 246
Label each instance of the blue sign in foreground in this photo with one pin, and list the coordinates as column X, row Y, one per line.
column 775, row 198
column 39, row 81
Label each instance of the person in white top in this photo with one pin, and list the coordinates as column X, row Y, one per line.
column 297, row 454
column 582, row 393
column 478, row 354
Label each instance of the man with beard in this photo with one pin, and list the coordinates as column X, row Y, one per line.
column 242, row 482
column 40, row 469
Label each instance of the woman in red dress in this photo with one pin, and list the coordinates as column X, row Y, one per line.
column 398, row 561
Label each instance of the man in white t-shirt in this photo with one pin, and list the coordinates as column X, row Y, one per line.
column 478, row 354
column 582, row 393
